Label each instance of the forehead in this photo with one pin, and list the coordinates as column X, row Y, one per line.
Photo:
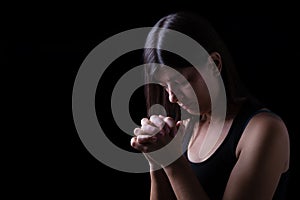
column 167, row 74
column 164, row 74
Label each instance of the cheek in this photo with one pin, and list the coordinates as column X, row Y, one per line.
column 200, row 90
column 191, row 93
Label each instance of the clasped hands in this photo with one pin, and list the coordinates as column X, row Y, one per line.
column 160, row 139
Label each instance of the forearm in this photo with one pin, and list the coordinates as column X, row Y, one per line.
column 160, row 186
column 183, row 181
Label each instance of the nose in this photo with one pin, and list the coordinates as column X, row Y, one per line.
column 172, row 96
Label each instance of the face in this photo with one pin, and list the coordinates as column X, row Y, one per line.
column 189, row 90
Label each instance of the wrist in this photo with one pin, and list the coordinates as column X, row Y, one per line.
column 179, row 163
column 154, row 166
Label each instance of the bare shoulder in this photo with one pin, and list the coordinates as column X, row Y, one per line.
column 262, row 156
column 267, row 123
column 266, row 132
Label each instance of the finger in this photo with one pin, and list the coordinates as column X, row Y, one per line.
column 180, row 128
column 139, row 146
column 134, row 143
column 157, row 121
column 161, row 116
column 179, row 125
column 149, row 129
column 166, row 130
column 169, row 121
column 174, row 130
column 145, row 121
column 142, row 139
column 138, row 131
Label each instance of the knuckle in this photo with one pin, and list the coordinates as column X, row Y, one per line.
column 137, row 131
column 169, row 121
column 133, row 141
column 153, row 116
column 144, row 121
column 148, row 129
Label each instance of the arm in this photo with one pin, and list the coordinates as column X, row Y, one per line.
column 183, row 180
column 160, row 186
column 263, row 155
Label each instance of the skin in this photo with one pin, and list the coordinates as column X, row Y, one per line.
column 262, row 152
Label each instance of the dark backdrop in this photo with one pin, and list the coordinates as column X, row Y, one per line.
column 46, row 47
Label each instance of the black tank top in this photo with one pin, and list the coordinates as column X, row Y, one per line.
column 214, row 172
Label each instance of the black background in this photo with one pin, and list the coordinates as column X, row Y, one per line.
column 44, row 48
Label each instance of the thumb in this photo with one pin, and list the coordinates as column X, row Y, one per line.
column 179, row 128
column 178, row 123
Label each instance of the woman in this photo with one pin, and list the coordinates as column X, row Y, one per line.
column 249, row 159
